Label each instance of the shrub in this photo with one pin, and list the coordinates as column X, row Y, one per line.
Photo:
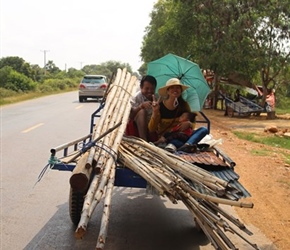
column 44, row 88
column 51, row 85
column 13, row 80
column 6, row 93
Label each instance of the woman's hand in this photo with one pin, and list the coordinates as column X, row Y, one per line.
column 155, row 104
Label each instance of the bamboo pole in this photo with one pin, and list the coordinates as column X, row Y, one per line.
column 138, row 167
column 108, row 196
column 207, row 219
column 117, row 108
column 80, row 177
column 186, row 169
column 112, row 140
column 215, row 199
column 131, row 163
column 177, row 163
column 106, row 213
column 102, row 124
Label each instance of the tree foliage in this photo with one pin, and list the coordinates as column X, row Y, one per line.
column 108, row 68
column 16, row 75
column 226, row 36
column 13, row 80
column 51, row 68
column 18, row 64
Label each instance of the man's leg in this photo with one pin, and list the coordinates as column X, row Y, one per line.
column 140, row 120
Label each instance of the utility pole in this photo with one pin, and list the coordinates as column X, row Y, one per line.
column 81, row 63
column 44, row 53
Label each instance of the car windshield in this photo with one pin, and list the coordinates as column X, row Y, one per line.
column 94, row 80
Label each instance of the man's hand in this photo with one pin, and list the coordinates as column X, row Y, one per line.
column 145, row 105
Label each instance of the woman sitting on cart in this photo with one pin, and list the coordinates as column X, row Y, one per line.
column 176, row 132
column 166, row 113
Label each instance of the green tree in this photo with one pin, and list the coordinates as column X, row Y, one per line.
column 74, row 73
column 154, row 44
column 18, row 64
column 37, row 73
column 97, row 70
column 142, row 70
column 112, row 66
column 269, row 29
column 13, row 80
column 108, row 68
column 51, row 67
column 230, row 37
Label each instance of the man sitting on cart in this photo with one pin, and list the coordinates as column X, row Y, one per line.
column 141, row 110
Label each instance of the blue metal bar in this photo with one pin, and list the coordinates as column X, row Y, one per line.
column 63, row 167
column 206, row 120
column 125, row 177
column 94, row 115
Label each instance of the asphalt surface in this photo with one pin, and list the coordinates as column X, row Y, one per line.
column 37, row 216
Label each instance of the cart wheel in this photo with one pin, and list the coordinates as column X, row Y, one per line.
column 76, row 202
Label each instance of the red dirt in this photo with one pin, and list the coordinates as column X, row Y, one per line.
column 266, row 177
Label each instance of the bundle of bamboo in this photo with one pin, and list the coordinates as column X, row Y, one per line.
column 103, row 155
column 167, row 173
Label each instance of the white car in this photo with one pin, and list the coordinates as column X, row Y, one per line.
column 92, row 86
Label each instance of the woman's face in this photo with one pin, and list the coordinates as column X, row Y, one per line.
column 174, row 91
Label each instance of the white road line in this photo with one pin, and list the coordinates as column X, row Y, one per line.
column 78, row 107
column 31, row 128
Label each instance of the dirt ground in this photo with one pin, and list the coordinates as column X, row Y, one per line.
column 266, row 177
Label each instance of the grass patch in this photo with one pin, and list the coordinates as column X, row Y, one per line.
column 29, row 96
column 287, row 158
column 261, row 152
column 283, row 111
column 274, row 141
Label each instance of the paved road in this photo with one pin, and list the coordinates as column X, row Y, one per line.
column 37, row 217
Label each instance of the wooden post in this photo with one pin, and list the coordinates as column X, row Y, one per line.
column 271, row 115
column 81, row 175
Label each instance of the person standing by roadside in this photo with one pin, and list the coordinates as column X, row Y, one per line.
column 270, row 99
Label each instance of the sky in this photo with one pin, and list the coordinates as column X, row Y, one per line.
column 74, row 33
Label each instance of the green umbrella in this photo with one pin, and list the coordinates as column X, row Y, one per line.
column 188, row 72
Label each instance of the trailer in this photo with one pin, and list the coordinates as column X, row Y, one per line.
column 214, row 160
column 94, row 156
column 243, row 107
